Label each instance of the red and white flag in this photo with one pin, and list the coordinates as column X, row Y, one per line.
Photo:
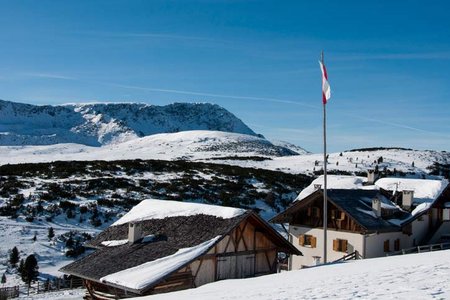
column 326, row 90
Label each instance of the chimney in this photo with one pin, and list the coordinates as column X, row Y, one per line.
column 407, row 199
column 376, row 207
column 370, row 177
column 317, row 186
column 134, row 232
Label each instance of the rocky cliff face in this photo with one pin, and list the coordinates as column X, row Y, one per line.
column 101, row 124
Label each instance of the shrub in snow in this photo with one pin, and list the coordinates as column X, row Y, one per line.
column 3, row 278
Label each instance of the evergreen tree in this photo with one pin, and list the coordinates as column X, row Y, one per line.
column 20, row 268
column 30, row 270
column 51, row 233
column 34, row 237
column 3, row 278
column 14, row 257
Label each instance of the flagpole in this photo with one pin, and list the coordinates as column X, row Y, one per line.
column 325, row 209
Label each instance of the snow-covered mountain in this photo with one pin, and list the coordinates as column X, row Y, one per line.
column 108, row 123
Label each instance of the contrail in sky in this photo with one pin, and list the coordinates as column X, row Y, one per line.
column 275, row 100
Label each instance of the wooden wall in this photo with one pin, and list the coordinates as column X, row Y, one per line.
column 245, row 252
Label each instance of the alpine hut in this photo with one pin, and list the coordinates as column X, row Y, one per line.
column 161, row 246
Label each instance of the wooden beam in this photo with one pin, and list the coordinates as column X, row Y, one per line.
column 241, row 236
column 210, row 256
column 268, row 260
column 198, row 269
column 228, row 243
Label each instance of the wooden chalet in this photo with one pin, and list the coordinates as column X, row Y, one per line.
column 147, row 252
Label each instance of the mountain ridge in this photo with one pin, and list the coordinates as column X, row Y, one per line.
column 97, row 124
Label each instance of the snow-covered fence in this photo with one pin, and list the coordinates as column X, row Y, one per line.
column 9, row 292
column 49, row 286
column 420, row 249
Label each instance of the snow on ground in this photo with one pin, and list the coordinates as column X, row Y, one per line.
column 212, row 145
column 49, row 254
column 197, row 144
column 160, row 209
column 143, row 275
column 412, row 276
column 77, row 294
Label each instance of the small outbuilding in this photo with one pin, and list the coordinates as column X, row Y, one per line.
column 161, row 246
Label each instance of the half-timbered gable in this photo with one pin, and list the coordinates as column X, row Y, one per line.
column 177, row 246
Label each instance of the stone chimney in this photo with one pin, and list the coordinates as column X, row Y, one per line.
column 317, row 186
column 134, row 232
column 376, row 207
column 407, row 199
column 371, row 177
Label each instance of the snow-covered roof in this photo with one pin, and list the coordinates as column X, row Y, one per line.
column 336, row 182
column 139, row 277
column 425, row 190
column 160, row 209
column 173, row 234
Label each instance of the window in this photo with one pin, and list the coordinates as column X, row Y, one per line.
column 386, row 246
column 446, row 214
column 340, row 245
column 314, row 212
column 397, row 245
column 337, row 214
column 307, row 240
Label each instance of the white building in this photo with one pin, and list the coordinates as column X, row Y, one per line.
column 373, row 219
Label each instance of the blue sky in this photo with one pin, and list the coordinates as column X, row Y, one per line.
column 387, row 61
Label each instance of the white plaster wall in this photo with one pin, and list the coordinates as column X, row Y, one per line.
column 375, row 243
column 443, row 229
column 420, row 228
column 355, row 242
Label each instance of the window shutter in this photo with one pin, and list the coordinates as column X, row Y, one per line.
column 343, row 245
column 336, row 245
column 342, row 216
column 334, row 214
column 386, row 246
column 301, row 240
column 313, row 242
column 397, row 245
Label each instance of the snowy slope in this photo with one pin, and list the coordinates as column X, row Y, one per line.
column 167, row 146
column 50, row 254
column 355, row 161
column 103, row 123
column 413, row 276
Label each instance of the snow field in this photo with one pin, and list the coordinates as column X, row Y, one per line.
column 412, row 276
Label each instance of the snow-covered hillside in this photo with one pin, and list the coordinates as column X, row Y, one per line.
column 233, row 149
column 103, row 123
column 413, row 276
column 192, row 145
